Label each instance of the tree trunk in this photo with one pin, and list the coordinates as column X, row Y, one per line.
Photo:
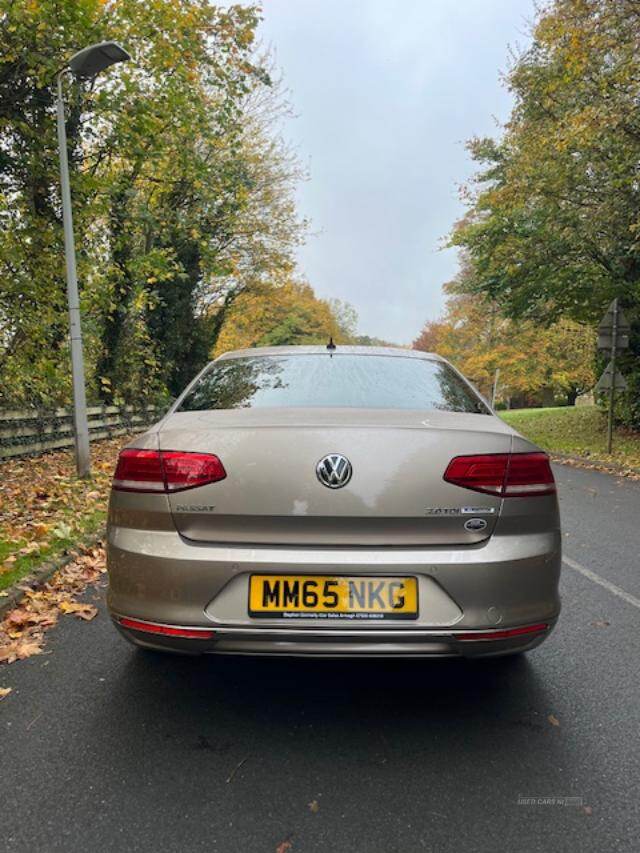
column 114, row 321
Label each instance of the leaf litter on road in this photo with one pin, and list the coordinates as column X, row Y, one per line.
column 22, row 632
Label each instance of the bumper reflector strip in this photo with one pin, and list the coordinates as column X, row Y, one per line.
column 166, row 630
column 506, row 634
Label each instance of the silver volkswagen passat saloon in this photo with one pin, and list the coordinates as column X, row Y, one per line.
column 345, row 501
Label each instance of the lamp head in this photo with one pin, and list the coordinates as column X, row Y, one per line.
column 93, row 59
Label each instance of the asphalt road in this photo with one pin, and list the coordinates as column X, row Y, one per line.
column 106, row 748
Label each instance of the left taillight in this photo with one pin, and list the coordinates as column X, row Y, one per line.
column 165, row 470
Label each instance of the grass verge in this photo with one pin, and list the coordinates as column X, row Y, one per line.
column 576, row 431
column 85, row 527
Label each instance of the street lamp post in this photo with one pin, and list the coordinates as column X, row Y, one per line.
column 84, row 64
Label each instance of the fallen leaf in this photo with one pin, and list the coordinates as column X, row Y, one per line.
column 62, row 531
column 4, row 691
column 587, row 809
column 18, row 617
column 235, row 769
column 553, row 720
column 313, row 806
column 83, row 611
column 26, row 650
column 285, row 845
column 19, row 650
column 31, row 548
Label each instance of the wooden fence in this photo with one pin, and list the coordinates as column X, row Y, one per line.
column 28, row 431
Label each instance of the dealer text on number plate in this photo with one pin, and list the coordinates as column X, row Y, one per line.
column 332, row 597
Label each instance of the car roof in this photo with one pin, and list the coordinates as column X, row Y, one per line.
column 399, row 352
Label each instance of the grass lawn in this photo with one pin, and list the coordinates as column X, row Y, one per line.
column 578, row 431
column 45, row 510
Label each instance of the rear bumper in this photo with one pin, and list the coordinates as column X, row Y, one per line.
column 333, row 643
column 509, row 581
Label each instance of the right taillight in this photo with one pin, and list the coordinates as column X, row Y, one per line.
column 507, row 475
column 529, row 474
column 165, row 470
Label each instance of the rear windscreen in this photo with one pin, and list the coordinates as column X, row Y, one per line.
column 338, row 381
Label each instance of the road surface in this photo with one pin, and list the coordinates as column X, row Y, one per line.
column 108, row 749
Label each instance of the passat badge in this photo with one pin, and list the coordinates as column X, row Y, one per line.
column 195, row 508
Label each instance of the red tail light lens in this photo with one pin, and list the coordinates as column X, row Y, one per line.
column 482, row 473
column 165, row 470
column 188, row 470
column 529, row 474
column 508, row 475
column 139, row 471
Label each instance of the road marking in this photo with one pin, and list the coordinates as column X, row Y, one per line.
column 625, row 596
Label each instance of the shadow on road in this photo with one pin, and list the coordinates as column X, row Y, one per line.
column 373, row 709
column 289, row 686
column 250, row 752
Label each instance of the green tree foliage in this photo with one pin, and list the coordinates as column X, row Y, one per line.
column 554, row 225
column 369, row 341
column 183, row 193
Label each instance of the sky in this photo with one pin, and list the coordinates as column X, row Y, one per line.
column 385, row 93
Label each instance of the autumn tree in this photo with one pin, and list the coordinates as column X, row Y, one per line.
column 553, row 224
column 285, row 313
column 536, row 363
column 33, row 327
column 183, row 191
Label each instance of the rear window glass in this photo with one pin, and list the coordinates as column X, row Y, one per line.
column 338, row 381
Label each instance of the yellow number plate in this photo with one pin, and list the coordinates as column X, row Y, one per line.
column 332, row 597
